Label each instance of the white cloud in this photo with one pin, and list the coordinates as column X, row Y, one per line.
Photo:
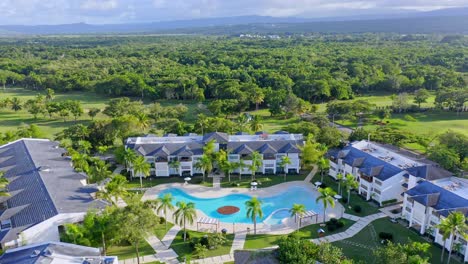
column 100, row 5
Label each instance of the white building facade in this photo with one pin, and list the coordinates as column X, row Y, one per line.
column 178, row 155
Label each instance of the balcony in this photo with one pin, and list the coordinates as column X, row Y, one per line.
column 366, row 178
column 405, row 185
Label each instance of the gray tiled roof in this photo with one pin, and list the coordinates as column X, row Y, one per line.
column 282, row 146
column 42, row 194
column 165, row 149
column 218, row 136
column 50, row 252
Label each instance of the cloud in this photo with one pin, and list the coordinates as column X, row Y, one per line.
column 122, row 11
column 99, row 5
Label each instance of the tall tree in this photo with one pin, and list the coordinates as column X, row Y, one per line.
column 349, row 184
column 254, row 210
column 165, row 204
column 284, row 162
column 323, row 164
column 256, row 159
column 255, row 123
column 326, row 196
column 421, row 96
column 93, row 112
column 136, row 221
column 298, row 210
column 141, row 168
column 50, row 94
column 454, row 225
column 205, row 164
column 16, row 104
column 185, row 213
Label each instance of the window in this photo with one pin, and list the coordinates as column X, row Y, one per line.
column 379, row 183
column 376, row 191
column 408, row 209
column 5, row 224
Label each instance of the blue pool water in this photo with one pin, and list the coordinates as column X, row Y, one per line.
column 277, row 217
column 282, row 200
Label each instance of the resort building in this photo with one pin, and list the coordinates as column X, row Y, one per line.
column 177, row 155
column 56, row 253
column 425, row 205
column 383, row 174
column 45, row 192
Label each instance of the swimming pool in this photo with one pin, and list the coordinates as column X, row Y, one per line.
column 283, row 200
column 277, row 217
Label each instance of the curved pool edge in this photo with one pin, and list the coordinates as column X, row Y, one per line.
column 271, row 215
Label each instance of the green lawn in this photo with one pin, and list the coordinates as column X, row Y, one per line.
column 367, row 207
column 10, row 119
column 160, row 231
column 358, row 246
column 153, row 181
column 263, row 180
column 308, row 232
column 183, row 248
column 125, row 251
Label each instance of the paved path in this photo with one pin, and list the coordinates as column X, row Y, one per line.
column 163, row 252
column 119, row 169
column 353, row 230
column 238, row 242
column 311, row 174
column 217, row 182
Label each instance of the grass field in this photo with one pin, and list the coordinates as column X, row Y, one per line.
column 360, row 246
column 128, row 251
column 183, row 249
column 263, row 180
column 308, row 232
column 10, row 120
column 426, row 124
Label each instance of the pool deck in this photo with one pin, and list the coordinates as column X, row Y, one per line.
column 209, row 192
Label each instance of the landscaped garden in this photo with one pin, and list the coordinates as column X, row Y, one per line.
column 201, row 245
column 127, row 251
column 361, row 246
column 153, row 181
column 308, row 232
column 263, row 181
column 356, row 206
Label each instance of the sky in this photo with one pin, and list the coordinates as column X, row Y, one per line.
column 40, row 12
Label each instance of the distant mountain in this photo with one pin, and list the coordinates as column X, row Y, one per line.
column 452, row 20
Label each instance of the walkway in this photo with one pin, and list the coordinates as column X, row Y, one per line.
column 311, row 174
column 217, row 182
column 118, row 169
column 163, row 252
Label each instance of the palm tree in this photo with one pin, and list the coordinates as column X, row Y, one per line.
column 116, row 188
column 80, row 162
column 16, row 104
column 257, row 97
column 323, row 164
column 174, row 164
column 165, row 203
column 254, row 210
column 256, row 163
column 297, row 211
column 339, row 177
column 49, row 94
column 453, row 225
column 185, row 213
column 242, row 121
column 239, row 165
column 349, row 184
column 225, row 165
column 202, row 122
column 326, row 196
column 3, row 184
column 204, row 164
column 99, row 171
column 255, row 123
column 141, row 168
column 143, row 120
column 284, row 162
column 129, row 157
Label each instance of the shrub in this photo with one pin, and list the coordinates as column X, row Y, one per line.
column 340, row 224
column 182, row 235
column 205, row 241
column 331, row 228
column 162, row 220
column 389, row 201
column 344, row 199
column 410, row 118
column 395, row 211
column 357, row 208
column 333, row 220
column 386, row 236
column 193, row 242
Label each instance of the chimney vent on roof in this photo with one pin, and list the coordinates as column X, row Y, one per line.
column 35, row 253
column 44, row 168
